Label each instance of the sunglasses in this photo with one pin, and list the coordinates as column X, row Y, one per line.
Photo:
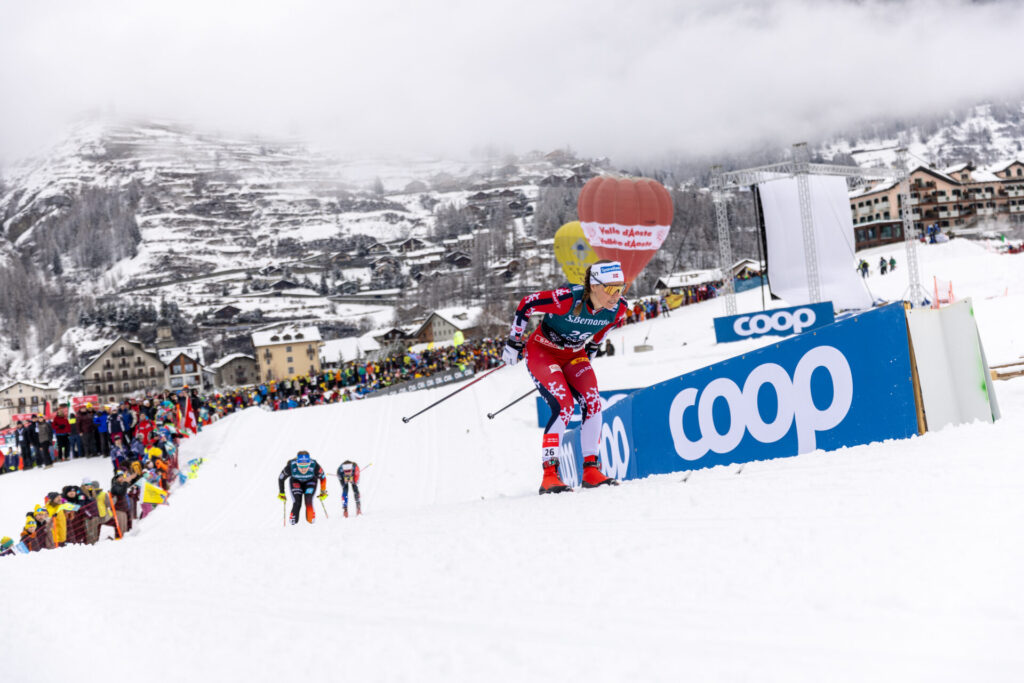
column 612, row 289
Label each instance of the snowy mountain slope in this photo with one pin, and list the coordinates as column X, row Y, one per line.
column 889, row 562
column 983, row 135
column 208, row 220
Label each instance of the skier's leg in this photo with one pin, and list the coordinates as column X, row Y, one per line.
column 359, row 506
column 344, row 498
column 583, row 383
column 296, row 503
column 547, row 374
column 310, row 512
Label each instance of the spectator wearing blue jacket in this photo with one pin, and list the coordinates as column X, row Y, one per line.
column 102, row 421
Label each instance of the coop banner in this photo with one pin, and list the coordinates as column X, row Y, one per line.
column 617, row 451
column 780, row 322
column 848, row 384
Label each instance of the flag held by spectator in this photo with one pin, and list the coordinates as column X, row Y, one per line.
column 153, row 494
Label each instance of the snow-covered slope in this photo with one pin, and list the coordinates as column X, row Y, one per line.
column 888, row 562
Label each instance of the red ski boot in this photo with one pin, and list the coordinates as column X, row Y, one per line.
column 345, row 511
column 552, row 483
column 592, row 474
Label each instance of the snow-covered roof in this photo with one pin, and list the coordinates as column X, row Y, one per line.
column 691, row 277
column 193, row 351
column 227, row 359
column 285, row 335
column 348, row 348
column 134, row 342
column 28, row 384
column 935, row 172
column 983, row 175
column 879, row 187
column 1002, row 165
column 987, row 174
column 459, row 317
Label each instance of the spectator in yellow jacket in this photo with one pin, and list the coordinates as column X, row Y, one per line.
column 55, row 507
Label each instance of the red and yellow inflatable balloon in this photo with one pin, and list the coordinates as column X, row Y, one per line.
column 625, row 219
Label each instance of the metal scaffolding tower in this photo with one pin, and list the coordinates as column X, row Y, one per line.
column 801, row 169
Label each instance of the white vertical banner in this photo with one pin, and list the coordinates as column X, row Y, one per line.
column 833, row 236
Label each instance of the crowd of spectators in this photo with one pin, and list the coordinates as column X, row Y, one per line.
column 140, row 435
column 143, row 454
column 357, row 380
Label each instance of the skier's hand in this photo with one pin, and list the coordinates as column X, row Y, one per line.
column 591, row 349
column 513, row 351
column 281, row 496
column 323, row 495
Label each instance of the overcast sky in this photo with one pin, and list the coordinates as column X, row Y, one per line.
column 629, row 79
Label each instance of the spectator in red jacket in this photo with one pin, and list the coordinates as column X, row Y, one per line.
column 62, row 431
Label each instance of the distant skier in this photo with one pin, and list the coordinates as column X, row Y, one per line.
column 304, row 473
column 558, row 353
column 892, row 263
column 348, row 473
column 883, row 265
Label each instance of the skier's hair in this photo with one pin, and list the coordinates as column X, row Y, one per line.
column 586, row 287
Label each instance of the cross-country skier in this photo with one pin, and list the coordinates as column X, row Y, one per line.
column 577, row 319
column 304, row 473
column 348, row 473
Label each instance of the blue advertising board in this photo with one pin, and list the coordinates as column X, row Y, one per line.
column 845, row 384
column 618, row 454
column 779, row 321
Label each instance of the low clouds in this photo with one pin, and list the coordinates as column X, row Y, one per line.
column 628, row 80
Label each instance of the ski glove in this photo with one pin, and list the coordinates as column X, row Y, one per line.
column 591, row 348
column 323, row 494
column 281, row 496
column 513, row 351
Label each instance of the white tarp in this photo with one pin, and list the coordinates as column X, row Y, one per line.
column 833, row 236
column 951, row 365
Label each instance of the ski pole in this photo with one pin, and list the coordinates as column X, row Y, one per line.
column 284, row 513
column 441, row 400
column 324, row 506
column 491, row 416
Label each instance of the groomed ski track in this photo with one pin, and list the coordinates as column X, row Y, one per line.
column 888, row 562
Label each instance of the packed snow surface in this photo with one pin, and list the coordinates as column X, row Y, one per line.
column 895, row 561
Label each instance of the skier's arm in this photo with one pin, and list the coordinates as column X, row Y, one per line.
column 285, row 473
column 322, row 476
column 620, row 315
column 557, row 301
column 356, row 479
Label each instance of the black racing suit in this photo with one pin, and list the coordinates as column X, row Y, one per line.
column 303, row 484
column 348, row 473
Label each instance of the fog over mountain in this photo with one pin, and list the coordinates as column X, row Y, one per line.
column 627, row 80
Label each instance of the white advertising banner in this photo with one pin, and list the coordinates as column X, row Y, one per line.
column 951, row 365
column 833, row 237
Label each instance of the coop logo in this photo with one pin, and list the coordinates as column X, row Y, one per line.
column 780, row 321
column 567, row 464
column 614, row 449
column 794, row 405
